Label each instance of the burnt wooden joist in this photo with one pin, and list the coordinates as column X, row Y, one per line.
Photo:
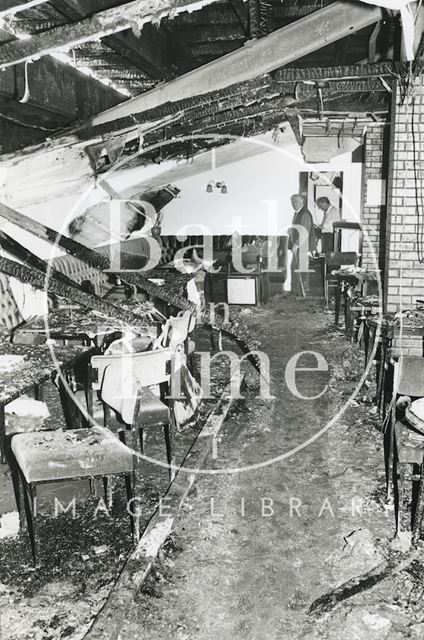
column 48, row 283
column 282, row 81
column 10, row 7
column 236, row 329
column 257, row 57
column 10, row 245
column 98, row 25
column 154, row 51
column 58, row 96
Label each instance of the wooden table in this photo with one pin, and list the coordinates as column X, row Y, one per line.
column 349, row 281
column 38, row 368
column 361, row 308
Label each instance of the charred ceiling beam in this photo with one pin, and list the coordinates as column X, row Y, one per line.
column 260, row 17
column 154, row 51
column 10, row 7
column 346, row 72
column 57, row 93
column 266, row 107
column 214, row 14
column 298, row 8
column 133, row 14
column 209, row 33
column 257, row 57
column 216, row 49
column 282, row 81
column 242, row 15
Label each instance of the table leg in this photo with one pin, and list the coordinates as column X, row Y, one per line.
column 347, row 312
column 366, row 339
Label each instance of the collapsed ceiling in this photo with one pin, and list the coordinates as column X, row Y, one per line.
column 156, row 53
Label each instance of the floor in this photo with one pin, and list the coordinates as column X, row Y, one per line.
column 252, row 549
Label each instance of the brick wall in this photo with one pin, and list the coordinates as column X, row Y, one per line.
column 404, row 274
column 374, row 217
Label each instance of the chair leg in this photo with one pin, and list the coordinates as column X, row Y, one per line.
column 65, row 402
column 14, row 469
column 39, row 392
column 105, row 480
column 34, row 506
column 142, row 439
column 31, row 516
column 216, row 340
column 108, row 483
column 337, row 304
column 419, row 511
column 136, row 462
column 366, row 340
column 3, row 458
column 404, row 512
column 130, row 496
column 167, row 429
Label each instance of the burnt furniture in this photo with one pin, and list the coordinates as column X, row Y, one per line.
column 405, row 444
column 270, row 274
column 38, row 368
column 118, row 377
column 334, row 276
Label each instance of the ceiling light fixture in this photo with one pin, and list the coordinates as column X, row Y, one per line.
column 220, row 185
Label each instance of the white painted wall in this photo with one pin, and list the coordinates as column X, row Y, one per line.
column 272, row 176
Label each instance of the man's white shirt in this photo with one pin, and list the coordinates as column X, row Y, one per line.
column 331, row 215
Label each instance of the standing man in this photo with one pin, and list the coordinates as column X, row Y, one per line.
column 330, row 214
column 301, row 243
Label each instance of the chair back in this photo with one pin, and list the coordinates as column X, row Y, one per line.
column 127, row 374
column 408, row 377
column 147, row 367
column 337, row 259
column 175, row 330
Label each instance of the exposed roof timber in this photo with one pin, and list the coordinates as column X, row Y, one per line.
column 9, row 7
column 260, row 17
column 103, row 23
column 241, row 13
column 282, row 82
column 216, row 49
column 257, row 57
column 297, row 8
column 58, row 94
column 153, row 52
column 263, row 109
column 209, row 33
